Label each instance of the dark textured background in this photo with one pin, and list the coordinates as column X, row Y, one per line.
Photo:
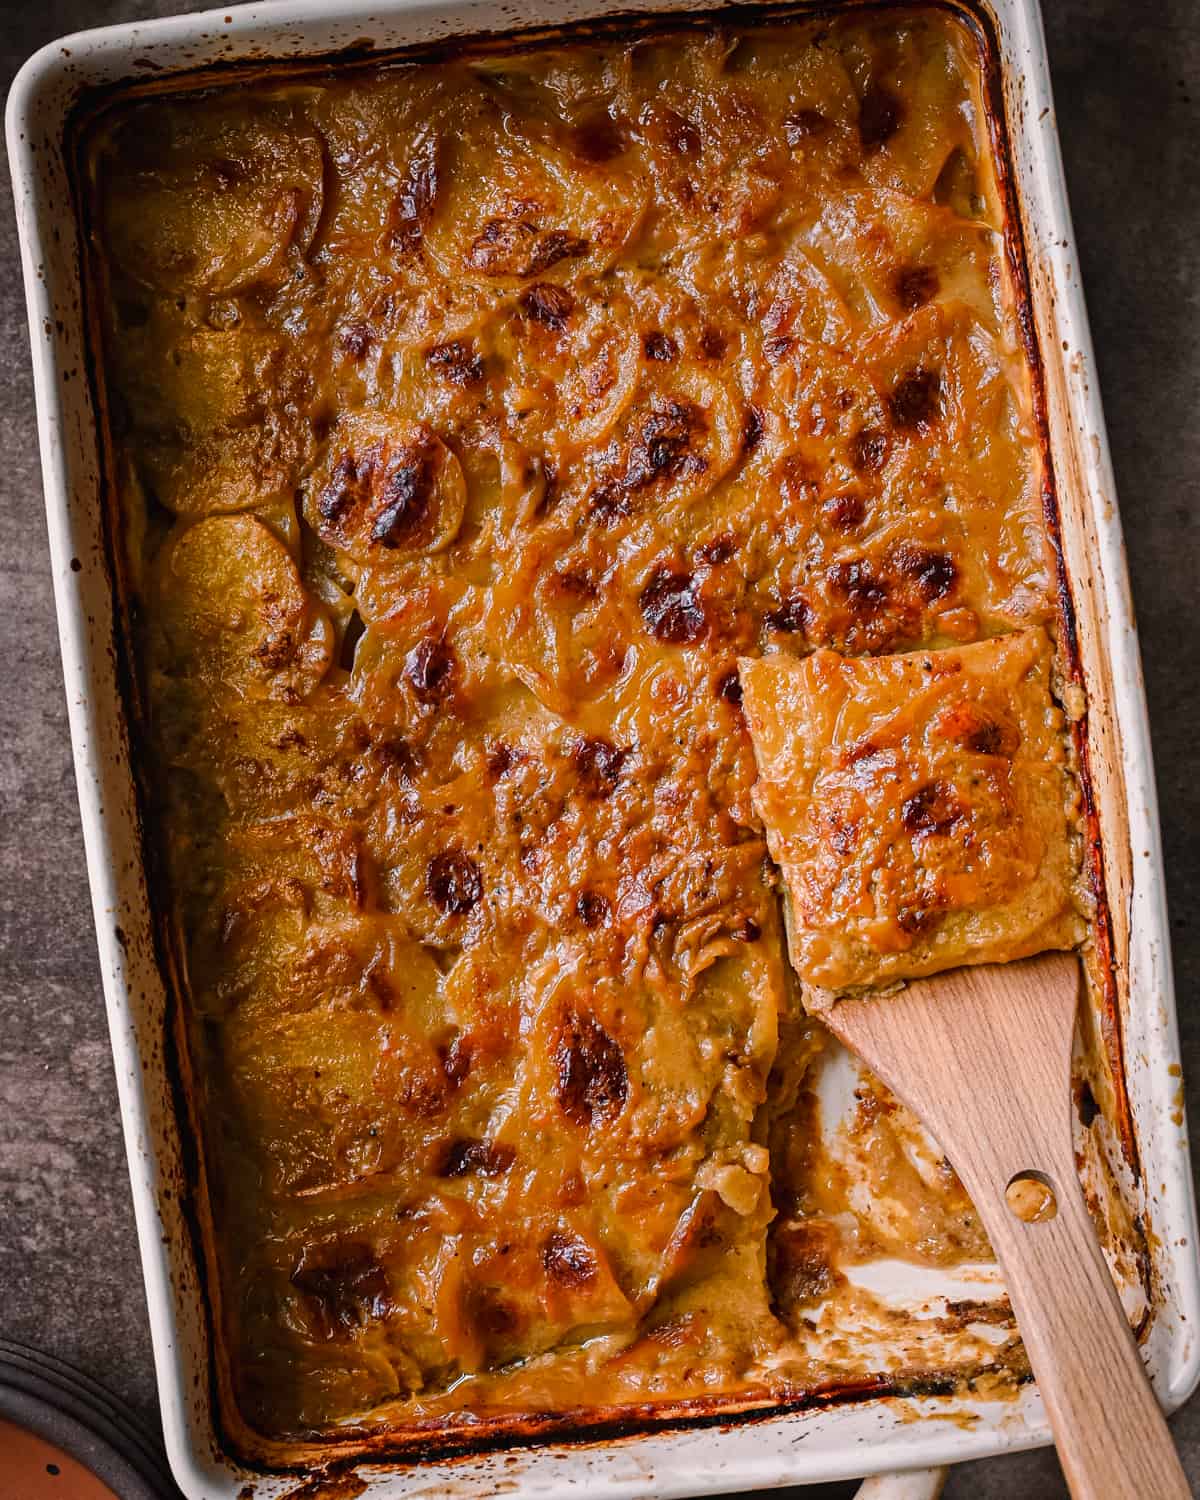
column 1125, row 75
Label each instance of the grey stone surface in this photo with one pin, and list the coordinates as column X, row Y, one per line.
column 1126, row 76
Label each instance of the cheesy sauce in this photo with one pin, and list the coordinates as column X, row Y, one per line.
column 471, row 420
column 920, row 808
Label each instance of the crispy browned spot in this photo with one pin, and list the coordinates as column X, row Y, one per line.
column 421, row 1091
column 993, row 739
column 548, row 304
column 920, row 916
column 453, row 882
column 455, row 1058
column 346, row 1288
column 404, row 498
column 658, row 346
column 412, row 206
column 460, row 1158
column 597, row 137
column 879, row 116
column 591, row 908
column 671, row 609
column 717, row 550
column 609, row 504
column 841, row 831
column 456, row 362
column 396, row 755
column 598, row 766
column 844, row 512
column 501, row 759
column 792, row 615
column 516, row 247
column 934, row 573
column 277, row 650
column 729, row 688
column 430, row 668
column 915, row 403
column 932, row 808
column 663, row 446
column 576, row 582
column 864, row 592
column 660, row 450
column 915, row 286
column 591, row 1083
column 567, row 1261
column 868, row 449
column 342, row 492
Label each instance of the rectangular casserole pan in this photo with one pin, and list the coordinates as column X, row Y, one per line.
column 842, row 1433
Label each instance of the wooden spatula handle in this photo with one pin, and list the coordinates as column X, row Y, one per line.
column 983, row 1057
column 1111, row 1435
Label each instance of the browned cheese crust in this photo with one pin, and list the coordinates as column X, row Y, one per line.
column 920, row 808
column 471, row 421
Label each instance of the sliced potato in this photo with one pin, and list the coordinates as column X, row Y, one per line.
column 223, row 417
column 235, row 613
column 386, row 486
column 213, row 203
column 538, row 211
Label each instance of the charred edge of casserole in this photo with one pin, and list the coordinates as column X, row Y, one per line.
column 584, row 1426
column 1016, row 253
column 191, row 1184
column 438, row 1440
column 123, row 651
column 92, row 104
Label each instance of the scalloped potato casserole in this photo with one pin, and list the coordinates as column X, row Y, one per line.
column 470, row 419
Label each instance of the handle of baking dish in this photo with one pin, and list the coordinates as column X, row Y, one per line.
column 913, row 1484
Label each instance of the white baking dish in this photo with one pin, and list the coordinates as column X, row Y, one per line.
column 866, row 1436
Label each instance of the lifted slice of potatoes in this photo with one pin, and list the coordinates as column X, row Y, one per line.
column 213, row 203
column 386, row 486
column 234, row 612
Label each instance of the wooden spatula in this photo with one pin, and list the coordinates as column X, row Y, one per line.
column 983, row 1055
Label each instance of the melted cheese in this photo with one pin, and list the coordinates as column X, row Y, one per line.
column 473, row 420
column 920, row 808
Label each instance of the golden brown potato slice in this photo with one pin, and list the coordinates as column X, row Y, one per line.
column 526, row 195
column 386, row 486
column 222, row 417
column 211, row 201
column 919, row 806
column 715, row 162
column 235, row 615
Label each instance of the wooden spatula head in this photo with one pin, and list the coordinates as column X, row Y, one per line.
column 989, row 1045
